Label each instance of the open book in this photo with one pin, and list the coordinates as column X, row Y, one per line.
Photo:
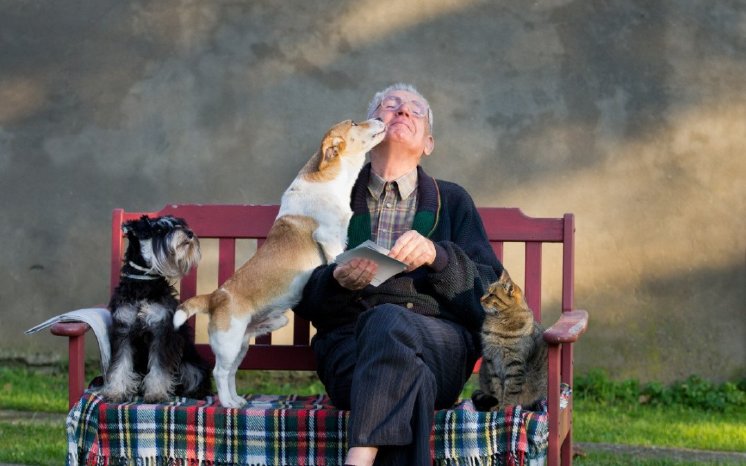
column 387, row 266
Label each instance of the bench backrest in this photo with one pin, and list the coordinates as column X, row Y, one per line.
column 229, row 223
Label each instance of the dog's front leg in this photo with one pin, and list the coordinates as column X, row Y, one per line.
column 121, row 380
column 159, row 382
column 331, row 245
column 164, row 355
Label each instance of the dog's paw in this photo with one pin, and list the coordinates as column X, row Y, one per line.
column 156, row 397
column 233, row 402
column 112, row 395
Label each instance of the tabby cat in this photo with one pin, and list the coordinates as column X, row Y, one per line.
column 514, row 363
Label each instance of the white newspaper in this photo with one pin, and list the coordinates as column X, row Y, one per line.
column 98, row 318
column 387, row 266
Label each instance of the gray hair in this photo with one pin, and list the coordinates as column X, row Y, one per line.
column 378, row 98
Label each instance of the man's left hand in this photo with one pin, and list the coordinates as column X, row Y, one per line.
column 414, row 250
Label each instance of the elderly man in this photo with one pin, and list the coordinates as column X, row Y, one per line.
column 394, row 353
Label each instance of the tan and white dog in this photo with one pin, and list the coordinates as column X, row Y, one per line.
column 310, row 230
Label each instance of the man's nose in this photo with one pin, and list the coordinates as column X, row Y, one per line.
column 404, row 109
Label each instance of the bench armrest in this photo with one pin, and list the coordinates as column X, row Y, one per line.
column 69, row 329
column 568, row 327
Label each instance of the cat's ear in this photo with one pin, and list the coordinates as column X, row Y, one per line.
column 511, row 290
column 516, row 293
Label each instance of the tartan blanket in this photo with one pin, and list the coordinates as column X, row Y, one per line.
column 273, row 430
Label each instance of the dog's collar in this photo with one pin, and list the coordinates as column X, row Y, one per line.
column 147, row 276
column 140, row 277
column 140, row 268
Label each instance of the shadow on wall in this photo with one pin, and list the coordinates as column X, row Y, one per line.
column 669, row 327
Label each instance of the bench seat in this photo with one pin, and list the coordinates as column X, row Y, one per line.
column 283, row 430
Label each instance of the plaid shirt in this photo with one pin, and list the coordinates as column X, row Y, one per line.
column 392, row 206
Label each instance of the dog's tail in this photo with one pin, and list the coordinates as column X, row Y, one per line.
column 190, row 307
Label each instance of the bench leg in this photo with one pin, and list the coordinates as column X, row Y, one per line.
column 76, row 368
column 553, row 399
column 567, row 377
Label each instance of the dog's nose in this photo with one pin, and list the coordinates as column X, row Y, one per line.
column 189, row 234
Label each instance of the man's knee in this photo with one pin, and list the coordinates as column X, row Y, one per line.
column 388, row 327
column 386, row 323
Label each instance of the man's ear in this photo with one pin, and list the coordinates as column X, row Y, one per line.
column 429, row 145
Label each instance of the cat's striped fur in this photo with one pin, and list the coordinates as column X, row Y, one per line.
column 514, row 364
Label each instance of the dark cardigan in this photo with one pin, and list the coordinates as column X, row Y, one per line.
column 450, row 289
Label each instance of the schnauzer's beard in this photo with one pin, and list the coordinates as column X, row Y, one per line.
column 173, row 255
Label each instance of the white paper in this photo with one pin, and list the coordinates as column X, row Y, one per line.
column 98, row 318
column 387, row 266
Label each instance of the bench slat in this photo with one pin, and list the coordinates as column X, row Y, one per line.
column 533, row 278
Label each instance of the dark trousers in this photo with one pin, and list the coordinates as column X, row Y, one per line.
column 392, row 370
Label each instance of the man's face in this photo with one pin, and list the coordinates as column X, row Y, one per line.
column 405, row 115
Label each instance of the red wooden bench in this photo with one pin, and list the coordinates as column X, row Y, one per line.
column 229, row 223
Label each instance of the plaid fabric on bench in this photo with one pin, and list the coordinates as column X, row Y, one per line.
column 281, row 430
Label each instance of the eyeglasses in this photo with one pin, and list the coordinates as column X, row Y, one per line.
column 393, row 103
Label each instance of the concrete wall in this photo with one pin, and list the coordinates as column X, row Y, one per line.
column 631, row 114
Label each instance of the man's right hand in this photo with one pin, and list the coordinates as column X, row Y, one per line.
column 355, row 274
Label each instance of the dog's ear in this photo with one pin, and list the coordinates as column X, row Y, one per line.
column 135, row 228
column 330, row 150
column 129, row 228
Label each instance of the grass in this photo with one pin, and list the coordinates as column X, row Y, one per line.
column 690, row 414
column 693, row 413
column 27, row 443
column 26, row 389
column 613, row 459
column 679, row 427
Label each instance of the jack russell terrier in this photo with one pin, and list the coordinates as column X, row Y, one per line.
column 310, row 230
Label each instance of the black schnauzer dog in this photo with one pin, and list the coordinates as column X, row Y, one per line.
column 150, row 357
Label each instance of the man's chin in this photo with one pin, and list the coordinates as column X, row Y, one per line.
column 398, row 131
column 399, row 124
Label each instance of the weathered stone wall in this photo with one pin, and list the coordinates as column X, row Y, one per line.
column 630, row 114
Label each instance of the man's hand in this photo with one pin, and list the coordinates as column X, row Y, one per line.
column 414, row 250
column 355, row 274
column 411, row 248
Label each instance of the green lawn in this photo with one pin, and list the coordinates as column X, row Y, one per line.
column 33, row 390
column 596, row 420
column 653, row 425
column 610, row 459
column 37, row 444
